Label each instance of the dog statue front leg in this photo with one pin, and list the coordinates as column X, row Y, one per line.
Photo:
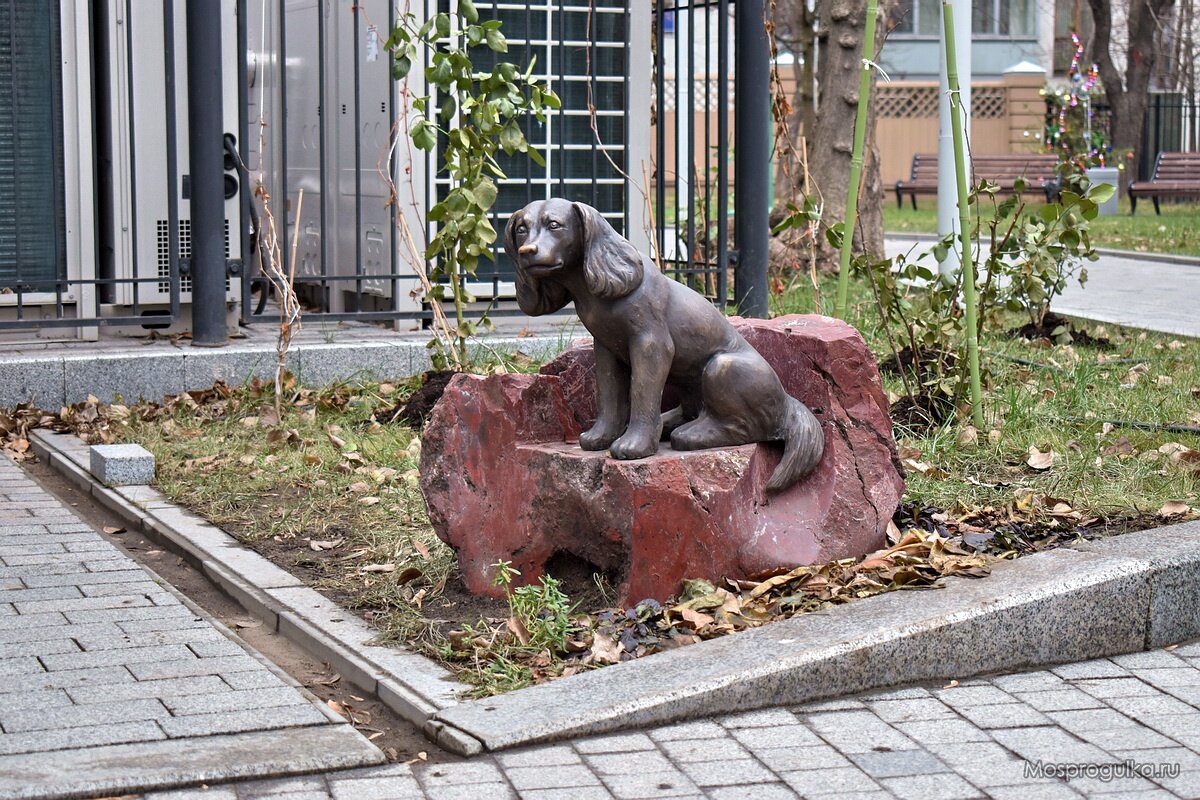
column 612, row 401
column 649, row 364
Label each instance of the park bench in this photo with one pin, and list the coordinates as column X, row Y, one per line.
column 1175, row 175
column 1038, row 170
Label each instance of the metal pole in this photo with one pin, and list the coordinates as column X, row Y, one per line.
column 947, row 197
column 206, row 157
column 752, row 161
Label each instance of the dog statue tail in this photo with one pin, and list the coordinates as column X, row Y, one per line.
column 804, row 442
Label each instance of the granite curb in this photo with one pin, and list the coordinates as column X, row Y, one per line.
column 56, row 379
column 412, row 686
column 1090, row 600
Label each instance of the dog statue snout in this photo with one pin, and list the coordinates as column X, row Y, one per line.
column 529, row 248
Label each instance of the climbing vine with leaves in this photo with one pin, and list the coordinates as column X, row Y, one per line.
column 473, row 114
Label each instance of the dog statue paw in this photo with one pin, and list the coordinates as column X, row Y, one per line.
column 650, row 331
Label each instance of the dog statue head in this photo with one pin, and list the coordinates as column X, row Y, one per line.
column 552, row 241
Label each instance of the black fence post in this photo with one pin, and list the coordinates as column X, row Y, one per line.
column 206, row 168
column 752, row 159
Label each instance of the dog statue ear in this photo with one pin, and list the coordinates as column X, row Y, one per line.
column 612, row 266
column 535, row 297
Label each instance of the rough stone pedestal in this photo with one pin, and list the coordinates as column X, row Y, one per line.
column 504, row 477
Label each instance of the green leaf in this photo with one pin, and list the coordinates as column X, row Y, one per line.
column 401, row 67
column 448, row 107
column 485, row 193
column 441, row 24
column 497, row 42
column 1101, row 192
column 834, row 234
column 467, row 10
column 511, row 138
column 424, row 135
column 487, row 234
column 441, row 73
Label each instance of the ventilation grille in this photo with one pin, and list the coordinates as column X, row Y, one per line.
column 185, row 251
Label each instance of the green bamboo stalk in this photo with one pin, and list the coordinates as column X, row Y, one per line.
column 856, row 160
column 966, row 262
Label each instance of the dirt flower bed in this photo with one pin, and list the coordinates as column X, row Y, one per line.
column 1086, row 440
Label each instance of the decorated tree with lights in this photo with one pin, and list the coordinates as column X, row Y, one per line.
column 1072, row 130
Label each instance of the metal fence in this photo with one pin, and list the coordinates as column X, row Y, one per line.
column 708, row 95
column 1172, row 125
column 692, row 90
column 337, row 130
column 41, row 142
column 333, row 142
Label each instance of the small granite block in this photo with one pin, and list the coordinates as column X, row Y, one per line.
column 122, row 464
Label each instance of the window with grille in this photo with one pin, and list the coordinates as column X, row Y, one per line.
column 988, row 17
column 577, row 48
column 32, row 209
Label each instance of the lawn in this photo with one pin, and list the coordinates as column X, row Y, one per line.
column 1056, row 398
column 1177, row 231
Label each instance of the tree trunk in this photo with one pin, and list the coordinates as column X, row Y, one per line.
column 831, row 137
column 1126, row 93
column 794, row 27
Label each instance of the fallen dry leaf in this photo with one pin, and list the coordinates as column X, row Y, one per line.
column 1040, row 460
column 518, row 629
column 1121, row 448
column 928, row 470
column 109, row 529
column 605, row 649
column 241, row 623
column 1174, row 508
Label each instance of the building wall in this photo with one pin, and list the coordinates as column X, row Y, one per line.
column 915, row 58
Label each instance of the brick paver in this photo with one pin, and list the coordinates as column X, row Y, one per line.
column 135, row 677
column 99, row 661
column 981, row 738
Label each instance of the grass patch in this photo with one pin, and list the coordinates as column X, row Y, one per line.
column 1174, row 232
column 1054, row 398
column 330, row 492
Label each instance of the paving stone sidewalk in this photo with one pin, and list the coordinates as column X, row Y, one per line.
column 108, row 682
column 1121, row 289
column 1125, row 727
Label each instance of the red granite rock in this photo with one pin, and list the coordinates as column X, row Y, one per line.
column 505, row 479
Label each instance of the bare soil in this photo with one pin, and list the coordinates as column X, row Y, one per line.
column 415, row 409
column 398, row 739
column 1053, row 322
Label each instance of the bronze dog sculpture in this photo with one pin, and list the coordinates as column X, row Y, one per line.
column 650, row 330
